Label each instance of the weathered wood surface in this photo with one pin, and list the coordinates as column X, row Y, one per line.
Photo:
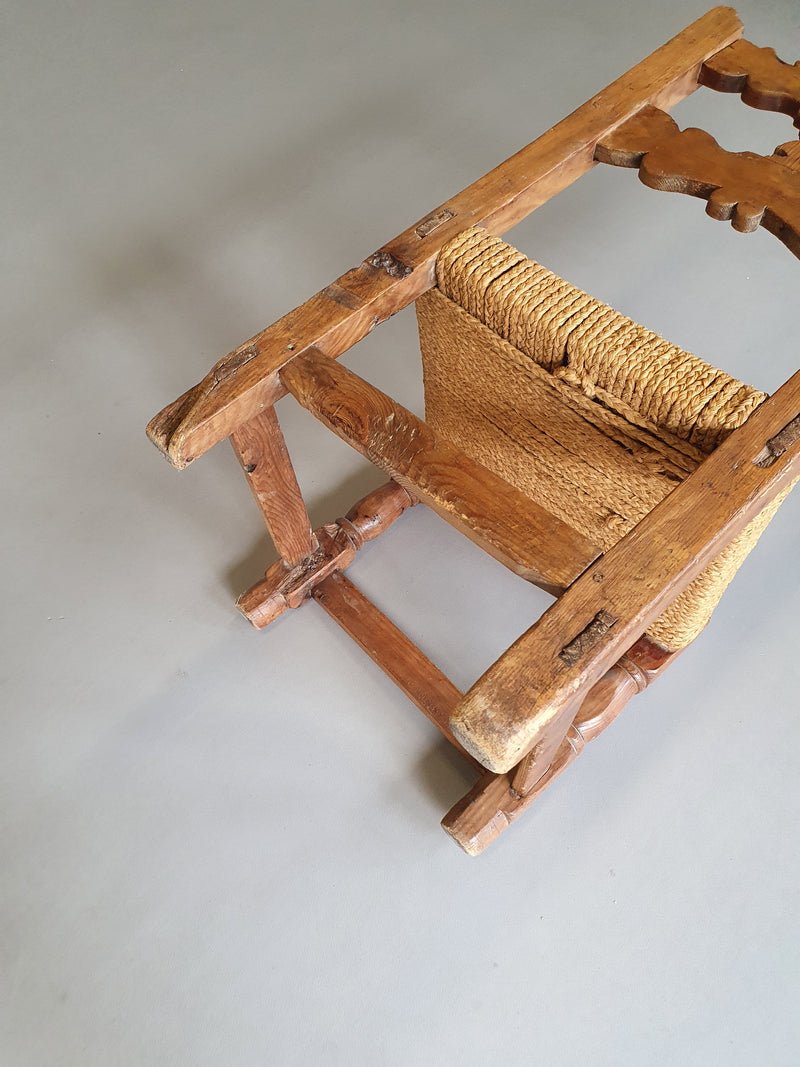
column 488, row 510
column 517, row 701
column 423, row 683
column 246, row 380
column 287, row 586
column 261, row 450
column 763, row 80
column 496, row 800
column 748, row 189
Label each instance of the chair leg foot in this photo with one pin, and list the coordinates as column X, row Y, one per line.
column 287, row 585
column 493, row 803
column 497, row 799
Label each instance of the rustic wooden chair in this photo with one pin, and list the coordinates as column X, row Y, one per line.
column 585, row 453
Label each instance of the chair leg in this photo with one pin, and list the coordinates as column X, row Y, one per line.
column 261, row 450
column 288, row 586
column 496, row 800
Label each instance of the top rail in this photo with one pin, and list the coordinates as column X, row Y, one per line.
column 246, row 380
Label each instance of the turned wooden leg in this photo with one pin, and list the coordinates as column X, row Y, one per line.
column 286, row 586
column 496, row 800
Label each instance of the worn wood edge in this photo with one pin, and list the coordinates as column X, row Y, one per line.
column 527, row 692
column 479, row 818
column 288, row 585
column 495, row 801
column 337, row 317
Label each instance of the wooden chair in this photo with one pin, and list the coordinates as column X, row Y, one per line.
column 586, row 454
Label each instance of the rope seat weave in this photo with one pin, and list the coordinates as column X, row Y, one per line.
column 590, row 414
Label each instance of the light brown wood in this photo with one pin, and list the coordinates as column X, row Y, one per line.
column 284, row 587
column 261, row 450
column 495, row 515
column 423, row 683
column 288, row 586
column 516, row 702
column 763, row 80
column 376, row 512
column 496, row 800
column 748, row 189
column 246, row 380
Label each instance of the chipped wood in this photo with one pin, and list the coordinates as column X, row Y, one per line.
column 496, row 800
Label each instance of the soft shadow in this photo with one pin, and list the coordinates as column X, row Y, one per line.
column 445, row 775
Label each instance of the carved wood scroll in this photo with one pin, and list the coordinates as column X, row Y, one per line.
column 764, row 81
column 748, row 189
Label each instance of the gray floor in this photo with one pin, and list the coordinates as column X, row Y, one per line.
column 220, row 846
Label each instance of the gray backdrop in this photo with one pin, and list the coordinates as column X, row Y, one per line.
column 220, row 846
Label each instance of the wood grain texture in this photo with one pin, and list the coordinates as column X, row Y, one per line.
column 261, row 450
column 763, row 80
column 376, row 512
column 517, row 701
column 246, row 380
column 631, row 674
column 285, row 587
column 748, row 189
column 495, row 515
column 423, row 683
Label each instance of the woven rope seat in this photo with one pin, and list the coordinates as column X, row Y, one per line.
column 588, row 413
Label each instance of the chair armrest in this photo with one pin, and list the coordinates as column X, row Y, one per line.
column 527, row 697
